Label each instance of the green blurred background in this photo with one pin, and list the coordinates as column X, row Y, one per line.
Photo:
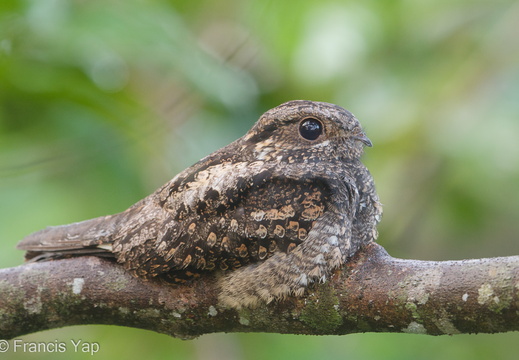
column 101, row 102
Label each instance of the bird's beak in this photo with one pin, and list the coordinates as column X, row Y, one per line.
column 363, row 139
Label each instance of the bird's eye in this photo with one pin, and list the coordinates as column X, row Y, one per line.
column 310, row 128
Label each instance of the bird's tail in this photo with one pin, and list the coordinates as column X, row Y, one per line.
column 90, row 237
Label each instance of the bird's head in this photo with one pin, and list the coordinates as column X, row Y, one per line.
column 308, row 130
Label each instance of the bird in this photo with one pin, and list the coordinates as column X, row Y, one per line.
column 276, row 210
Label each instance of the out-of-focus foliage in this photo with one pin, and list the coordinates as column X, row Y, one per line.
column 101, row 102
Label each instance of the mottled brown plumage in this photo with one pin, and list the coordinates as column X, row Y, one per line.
column 276, row 210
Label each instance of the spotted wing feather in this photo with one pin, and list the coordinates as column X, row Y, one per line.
column 227, row 229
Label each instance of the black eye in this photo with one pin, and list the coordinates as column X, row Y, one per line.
column 310, row 128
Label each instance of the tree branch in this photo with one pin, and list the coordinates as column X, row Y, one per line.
column 372, row 293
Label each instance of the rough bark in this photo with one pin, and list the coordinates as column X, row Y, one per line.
column 373, row 293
